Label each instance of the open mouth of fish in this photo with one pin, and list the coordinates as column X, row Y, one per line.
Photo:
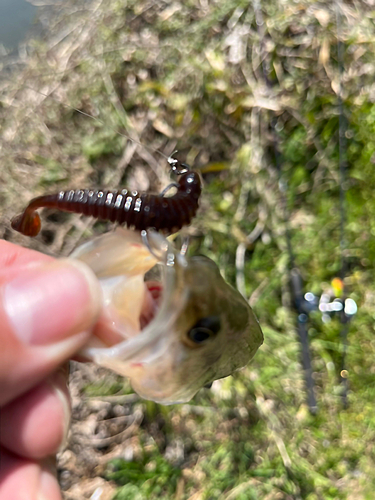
column 170, row 324
column 111, row 330
column 151, row 302
column 142, row 299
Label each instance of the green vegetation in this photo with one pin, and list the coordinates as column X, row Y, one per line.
column 188, row 76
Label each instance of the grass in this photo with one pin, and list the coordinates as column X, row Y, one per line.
column 189, row 76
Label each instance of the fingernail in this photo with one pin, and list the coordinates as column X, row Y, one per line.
column 59, row 384
column 53, row 302
column 66, row 423
column 48, row 486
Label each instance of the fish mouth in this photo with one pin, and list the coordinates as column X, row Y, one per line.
column 151, row 302
column 109, row 332
column 139, row 314
column 143, row 296
column 148, row 355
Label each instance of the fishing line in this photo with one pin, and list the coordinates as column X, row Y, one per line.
column 301, row 305
column 128, row 137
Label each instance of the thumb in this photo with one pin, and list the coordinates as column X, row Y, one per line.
column 46, row 314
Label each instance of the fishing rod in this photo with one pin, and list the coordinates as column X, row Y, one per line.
column 349, row 308
column 343, row 171
column 301, row 305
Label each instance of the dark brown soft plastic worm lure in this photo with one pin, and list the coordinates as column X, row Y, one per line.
column 129, row 208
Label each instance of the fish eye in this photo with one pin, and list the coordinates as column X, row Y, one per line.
column 204, row 329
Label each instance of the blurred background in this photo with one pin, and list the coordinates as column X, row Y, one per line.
column 274, row 103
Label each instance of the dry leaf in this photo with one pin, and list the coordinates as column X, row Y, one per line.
column 324, row 53
column 163, row 127
column 335, row 84
column 323, row 16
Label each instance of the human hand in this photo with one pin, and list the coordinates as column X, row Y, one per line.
column 47, row 308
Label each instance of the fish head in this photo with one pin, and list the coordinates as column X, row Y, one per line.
column 202, row 329
column 214, row 334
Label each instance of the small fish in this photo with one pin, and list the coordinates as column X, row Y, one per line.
column 170, row 336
